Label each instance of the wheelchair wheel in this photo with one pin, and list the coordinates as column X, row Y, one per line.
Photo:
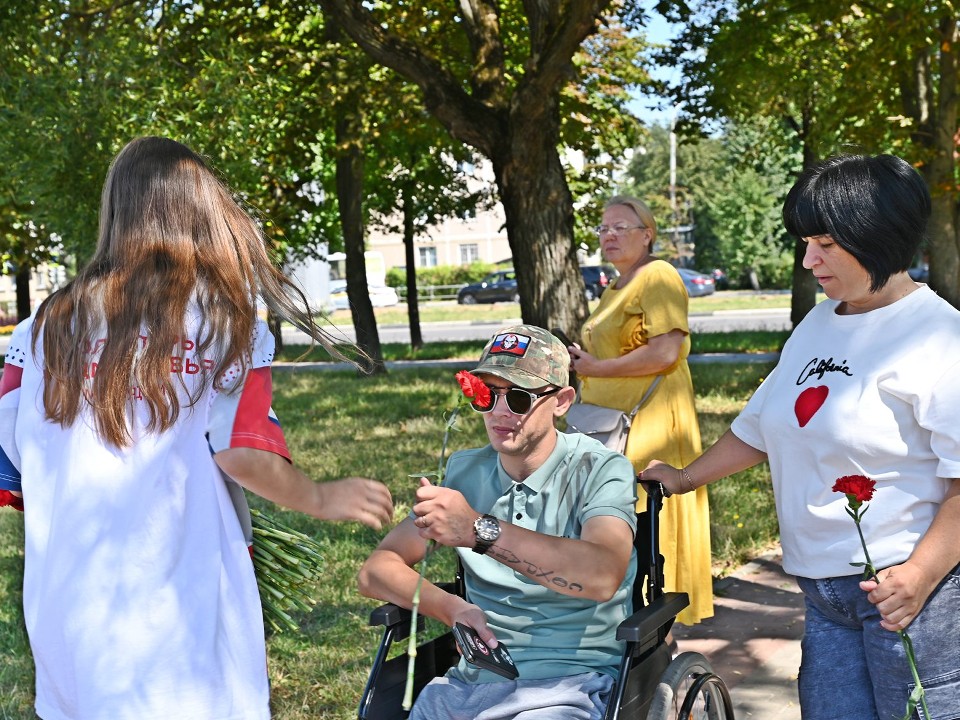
column 689, row 690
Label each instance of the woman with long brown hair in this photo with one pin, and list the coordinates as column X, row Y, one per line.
column 129, row 405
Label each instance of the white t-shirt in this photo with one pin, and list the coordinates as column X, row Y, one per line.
column 875, row 394
column 139, row 594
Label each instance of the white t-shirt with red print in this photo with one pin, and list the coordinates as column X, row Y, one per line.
column 139, row 594
column 874, row 394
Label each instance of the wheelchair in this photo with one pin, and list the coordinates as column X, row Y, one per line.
column 652, row 684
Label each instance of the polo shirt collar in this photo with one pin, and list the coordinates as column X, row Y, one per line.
column 543, row 474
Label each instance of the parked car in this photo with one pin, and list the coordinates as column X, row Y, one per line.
column 696, row 283
column 920, row 273
column 596, row 278
column 499, row 286
column 380, row 295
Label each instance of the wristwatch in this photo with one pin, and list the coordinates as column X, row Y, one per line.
column 487, row 530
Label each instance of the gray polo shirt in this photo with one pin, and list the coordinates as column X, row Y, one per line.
column 548, row 634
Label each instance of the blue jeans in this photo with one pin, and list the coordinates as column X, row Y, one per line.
column 853, row 669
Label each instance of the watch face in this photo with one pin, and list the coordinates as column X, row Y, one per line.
column 487, row 528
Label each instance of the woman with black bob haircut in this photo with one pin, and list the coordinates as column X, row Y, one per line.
column 866, row 391
column 875, row 208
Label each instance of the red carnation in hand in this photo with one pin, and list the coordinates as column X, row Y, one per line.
column 8, row 498
column 474, row 387
column 858, row 489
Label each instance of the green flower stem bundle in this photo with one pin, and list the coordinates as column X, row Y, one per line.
column 287, row 564
column 858, row 490
column 471, row 387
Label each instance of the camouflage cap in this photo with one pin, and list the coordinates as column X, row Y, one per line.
column 527, row 356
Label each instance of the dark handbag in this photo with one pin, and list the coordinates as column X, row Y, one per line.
column 608, row 425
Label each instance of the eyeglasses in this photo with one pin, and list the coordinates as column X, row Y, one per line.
column 616, row 230
column 519, row 401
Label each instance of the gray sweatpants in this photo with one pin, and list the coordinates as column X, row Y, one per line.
column 578, row 697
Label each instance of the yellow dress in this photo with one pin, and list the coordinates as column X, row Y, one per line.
column 653, row 303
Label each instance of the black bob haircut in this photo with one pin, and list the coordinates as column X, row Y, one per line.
column 875, row 207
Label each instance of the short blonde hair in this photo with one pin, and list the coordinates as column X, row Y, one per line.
column 639, row 208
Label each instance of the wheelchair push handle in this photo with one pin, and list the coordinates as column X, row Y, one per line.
column 656, row 492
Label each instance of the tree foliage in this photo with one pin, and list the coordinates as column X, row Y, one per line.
column 256, row 86
column 494, row 75
column 730, row 188
column 860, row 77
column 64, row 92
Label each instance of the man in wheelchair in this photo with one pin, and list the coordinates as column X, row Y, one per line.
column 543, row 524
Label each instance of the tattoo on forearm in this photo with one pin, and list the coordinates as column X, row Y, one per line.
column 532, row 570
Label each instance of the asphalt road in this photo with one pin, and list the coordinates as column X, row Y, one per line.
column 725, row 321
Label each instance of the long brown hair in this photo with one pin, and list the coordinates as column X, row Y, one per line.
column 171, row 234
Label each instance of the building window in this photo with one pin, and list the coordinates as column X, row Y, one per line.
column 428, row 256
column 469, row 253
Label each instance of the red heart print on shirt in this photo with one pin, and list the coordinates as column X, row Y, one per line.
column 808, row 402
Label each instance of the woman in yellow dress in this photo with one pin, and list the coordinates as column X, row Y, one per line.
column 638, row 332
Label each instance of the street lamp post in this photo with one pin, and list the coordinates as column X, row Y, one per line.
column 673, row 179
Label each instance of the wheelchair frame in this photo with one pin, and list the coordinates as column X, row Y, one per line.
column 652, row 685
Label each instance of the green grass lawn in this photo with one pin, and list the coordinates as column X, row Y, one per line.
column 386, row 427
column 745, row 341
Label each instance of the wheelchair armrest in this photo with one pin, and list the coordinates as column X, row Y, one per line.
column 647, row 621
column 391, row 616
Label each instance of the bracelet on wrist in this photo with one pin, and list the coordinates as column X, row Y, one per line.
column 686, row 477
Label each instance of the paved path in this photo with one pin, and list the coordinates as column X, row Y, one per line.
column 753, row 640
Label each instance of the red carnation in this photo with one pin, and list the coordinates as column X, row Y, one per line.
column 8, row 498
column 474, row 387
column 859, row 487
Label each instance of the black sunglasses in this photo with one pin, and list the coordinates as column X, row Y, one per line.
column 519, row 401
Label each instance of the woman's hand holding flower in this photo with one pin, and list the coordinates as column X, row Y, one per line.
column 900, row 595
column 894, row 589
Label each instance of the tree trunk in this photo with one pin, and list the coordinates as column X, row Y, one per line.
column 517, row 128
column 23, row 291
column 348, row 140
column 940, row 173
column 275, row 324
column 538, row 208
column 349, row 167
column 804, row 295
column 413, row 302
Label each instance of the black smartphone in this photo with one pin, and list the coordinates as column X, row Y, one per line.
column 562, row 337
column 476, row 652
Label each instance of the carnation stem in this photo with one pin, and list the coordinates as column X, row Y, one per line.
column 918, row 694
column 431, row 545
column 446, row 438
column 412, row 641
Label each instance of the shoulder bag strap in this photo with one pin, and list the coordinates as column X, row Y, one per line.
column 646, row 396
column 643, row 400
